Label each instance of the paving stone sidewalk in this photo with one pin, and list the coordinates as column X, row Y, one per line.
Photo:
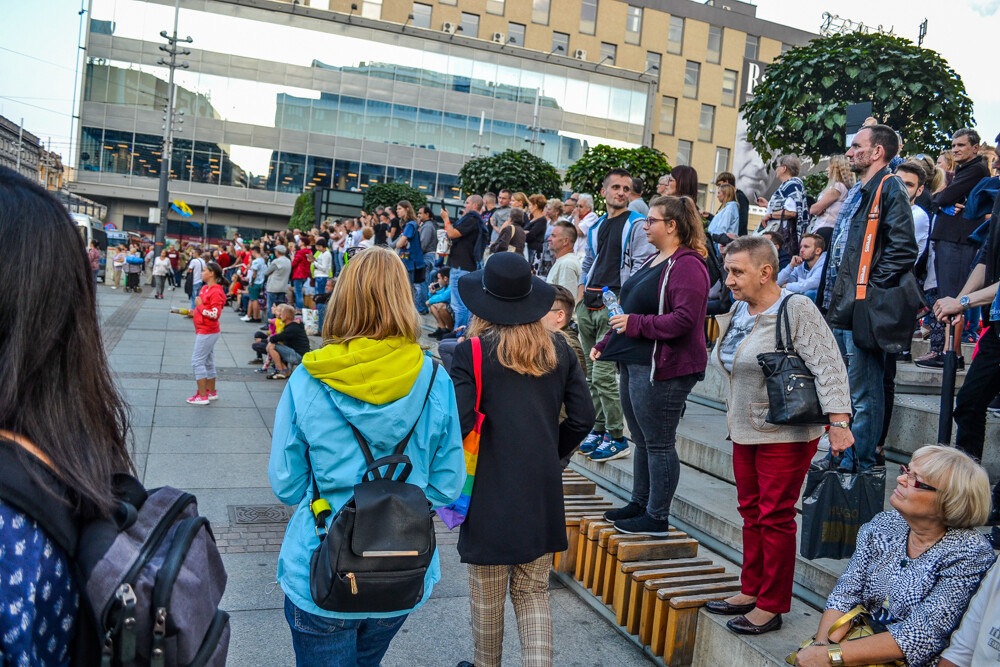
column 220, row 453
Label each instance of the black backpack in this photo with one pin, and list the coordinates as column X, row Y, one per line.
column 150, row 578
column 381, row 542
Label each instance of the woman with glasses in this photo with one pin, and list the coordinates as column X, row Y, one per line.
column 915, row 567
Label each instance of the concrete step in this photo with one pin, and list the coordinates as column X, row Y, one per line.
column 921, row 347
column 912, row 379
column 715, row 644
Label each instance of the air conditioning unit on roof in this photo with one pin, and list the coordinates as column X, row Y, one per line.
column 580, row 54
column 498, row 38
column 449, row 27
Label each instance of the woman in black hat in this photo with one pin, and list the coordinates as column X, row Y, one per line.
column 515, row 520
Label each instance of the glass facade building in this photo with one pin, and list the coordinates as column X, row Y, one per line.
column 277, row 103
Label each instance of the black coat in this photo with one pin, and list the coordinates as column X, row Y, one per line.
column 516, row 514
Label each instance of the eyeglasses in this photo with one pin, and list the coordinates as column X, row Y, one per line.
column 911, row 480
column 650, row 218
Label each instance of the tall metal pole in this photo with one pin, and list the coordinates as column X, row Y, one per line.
column 73, row 150
column 166, row 157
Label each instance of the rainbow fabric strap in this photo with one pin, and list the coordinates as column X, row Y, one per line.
column 454, row 514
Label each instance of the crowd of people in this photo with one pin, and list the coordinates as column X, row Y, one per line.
column 602, row 320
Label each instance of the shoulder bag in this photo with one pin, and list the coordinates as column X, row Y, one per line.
column 376, row 552
column 862, row 625
column 884, row 317
column 454, row 514
column 791, row 386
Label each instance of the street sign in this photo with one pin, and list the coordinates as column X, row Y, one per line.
column 110, row 227
column 154, row 215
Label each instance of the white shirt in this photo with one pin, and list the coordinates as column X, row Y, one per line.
column 921, row 227
column 323, row 264
column 580, row 247
column 976, row 642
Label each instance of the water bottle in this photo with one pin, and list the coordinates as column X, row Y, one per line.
column 611, row 303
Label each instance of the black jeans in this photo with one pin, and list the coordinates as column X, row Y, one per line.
column 652, row 411
column 981, row 386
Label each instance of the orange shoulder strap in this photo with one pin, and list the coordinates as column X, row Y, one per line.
column 868, row 248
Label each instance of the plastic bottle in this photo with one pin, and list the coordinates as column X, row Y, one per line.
column 180, row 311
column 611, row 302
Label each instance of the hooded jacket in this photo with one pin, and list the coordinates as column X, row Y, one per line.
column 379, row 387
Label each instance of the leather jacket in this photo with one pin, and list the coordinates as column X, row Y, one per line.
column 895, row 247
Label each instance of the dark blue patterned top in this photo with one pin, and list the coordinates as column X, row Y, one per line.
column 38, row 597
column 920, row 600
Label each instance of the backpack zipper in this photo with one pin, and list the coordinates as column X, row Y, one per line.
column 354, row 583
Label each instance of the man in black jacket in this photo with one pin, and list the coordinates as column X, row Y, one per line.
column 953, row 252
column 286, row 348
column 895, row 251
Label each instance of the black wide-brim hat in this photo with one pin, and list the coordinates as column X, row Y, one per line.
column 505, row 292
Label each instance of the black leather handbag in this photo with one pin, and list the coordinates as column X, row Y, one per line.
column 791, row 386
column 374, row 557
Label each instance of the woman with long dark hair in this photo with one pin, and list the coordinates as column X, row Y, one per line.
column 208, row 307
column 63, row 426
column 683, row 182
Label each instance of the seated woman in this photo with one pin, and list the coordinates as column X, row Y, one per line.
column 916, row 567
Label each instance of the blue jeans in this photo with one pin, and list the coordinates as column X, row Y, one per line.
column 321, row 285
column 865, row 370
column 338, row 263
column 297, row 284
column 194, row 293
column 423, row 289
column 337, row 642
column 272, row 298
column 461, row 312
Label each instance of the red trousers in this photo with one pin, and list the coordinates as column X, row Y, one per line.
column 768, row 482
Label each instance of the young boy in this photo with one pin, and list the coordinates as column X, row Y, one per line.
column 439, row 303
column 560, row 318
column 286, row 348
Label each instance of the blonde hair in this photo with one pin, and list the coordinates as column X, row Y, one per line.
column 372, row 300
column 285, row 310
column 963, row 487
column 523, row 348
column 521, row 198
column 949, row 159
column 840, row 172
column 728, row 193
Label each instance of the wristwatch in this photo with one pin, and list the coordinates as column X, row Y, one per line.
column 843, row 424
column 836, row 655
column 964, row 301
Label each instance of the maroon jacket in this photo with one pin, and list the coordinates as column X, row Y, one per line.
column 679, row 329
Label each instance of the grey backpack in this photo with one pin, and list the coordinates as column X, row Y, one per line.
column 150, row 578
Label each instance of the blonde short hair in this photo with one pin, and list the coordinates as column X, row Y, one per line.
column 285, row 310
column 372, row 300
column 963, row 487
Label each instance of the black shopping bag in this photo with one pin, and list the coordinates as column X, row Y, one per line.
column 835, row 505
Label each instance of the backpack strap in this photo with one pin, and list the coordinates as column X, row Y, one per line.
column 868, row 247
column 477, row 366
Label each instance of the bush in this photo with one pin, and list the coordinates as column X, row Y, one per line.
column 586, row 175
column 304, row 213
column 390, row 194
column 518, row 171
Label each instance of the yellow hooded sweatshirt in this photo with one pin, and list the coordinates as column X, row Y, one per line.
column 373, row 371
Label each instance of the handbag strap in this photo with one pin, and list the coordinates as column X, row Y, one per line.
column 477, row 368
column 782, row 321
column 846, row 619
column 868, row 247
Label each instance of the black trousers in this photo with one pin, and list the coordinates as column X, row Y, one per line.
column 981, row 386
column 952, row 264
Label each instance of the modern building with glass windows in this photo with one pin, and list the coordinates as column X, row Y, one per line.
column 283, row 97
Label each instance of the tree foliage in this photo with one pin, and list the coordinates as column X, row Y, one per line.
column 519, row 171
column 390, row 194
column 801, row 106
column 304, row 212
column 587, row 174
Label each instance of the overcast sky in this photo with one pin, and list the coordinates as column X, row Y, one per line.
column 38, row 50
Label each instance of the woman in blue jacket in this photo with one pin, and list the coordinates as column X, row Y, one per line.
column 373, row 375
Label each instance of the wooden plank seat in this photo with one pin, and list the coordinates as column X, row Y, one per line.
column 590, row 550
column 637, row 582
column 566, row 560
column 621, row 585
column 675, row 620
column 650, row 591
column 611, row 563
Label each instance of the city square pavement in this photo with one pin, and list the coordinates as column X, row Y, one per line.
column 220, row 452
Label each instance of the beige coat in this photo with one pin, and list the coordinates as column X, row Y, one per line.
column 747, row 400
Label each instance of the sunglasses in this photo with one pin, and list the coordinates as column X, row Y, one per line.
column 911, row 480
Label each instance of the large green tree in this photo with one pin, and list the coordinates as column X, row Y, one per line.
column 390, row 194
column 587, row 174
column 519, row 171
column 801, row 106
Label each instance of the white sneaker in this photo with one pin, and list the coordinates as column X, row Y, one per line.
column 245, row 318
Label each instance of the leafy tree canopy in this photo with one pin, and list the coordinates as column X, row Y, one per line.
column 587, row 174
column 390, row 194
column 304, row 212
column 801, row 106
column 519, row 171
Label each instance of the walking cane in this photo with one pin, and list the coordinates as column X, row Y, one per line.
column 952, row 346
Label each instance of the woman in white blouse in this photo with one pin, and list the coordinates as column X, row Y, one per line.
column 827, row 207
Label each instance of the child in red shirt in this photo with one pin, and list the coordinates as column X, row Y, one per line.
column 209, row 304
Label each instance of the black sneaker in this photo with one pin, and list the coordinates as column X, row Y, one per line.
column 629, row 511
column 643, row 525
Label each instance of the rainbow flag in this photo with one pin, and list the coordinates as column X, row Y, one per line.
column 454, row 514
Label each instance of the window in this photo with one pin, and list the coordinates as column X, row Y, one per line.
column 633, row 25
column 668, row 114
column 454, row 2
column 515, row 34
column 675, row 36
column 653, row 64
column 470, row 25
column 371, row 9
column 721, row 160
column 729, row 87
column 492, row 6
column 421, row 15
column 588, row 17
column 714, row 44
column 684, row 149
column 608, row 53
column 540, row 11
column 692, row 72
column 752, row 50
column 702, row 196
column 706, row 122
column 560, row 43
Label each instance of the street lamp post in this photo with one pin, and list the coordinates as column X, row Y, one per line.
column 166, row 157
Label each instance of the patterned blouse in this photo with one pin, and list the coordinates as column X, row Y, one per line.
column 920, row 600
column 38, row 597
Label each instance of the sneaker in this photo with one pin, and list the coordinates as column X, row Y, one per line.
column 591, row 442
column 278, row 375
column 262, row 369
column 630, row 511
column 198, row 399
column 930, row 360
column 643, row 525
column 213, row 396
column 255, row 362
column 611, row 450
column 905, row 357
column 245, row 318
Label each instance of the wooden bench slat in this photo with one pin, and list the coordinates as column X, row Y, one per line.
column 620, row 601
column 611, row 572
column 674, row 629
column 676, row 586
column 658, row 549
